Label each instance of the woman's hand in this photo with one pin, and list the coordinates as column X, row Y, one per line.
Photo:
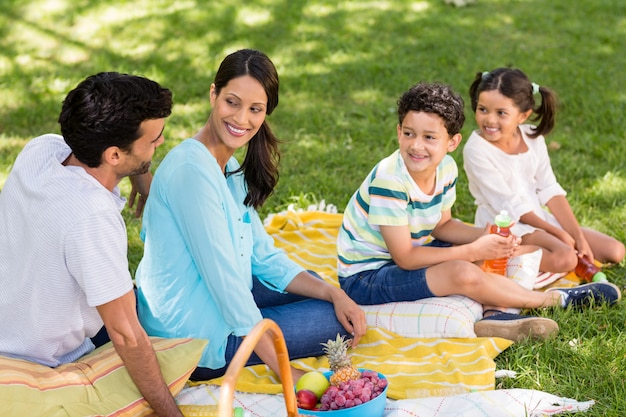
column 349, row 314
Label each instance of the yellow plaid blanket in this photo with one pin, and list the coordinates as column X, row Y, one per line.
column 415, row 367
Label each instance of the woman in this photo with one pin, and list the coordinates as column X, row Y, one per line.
column 209, row 269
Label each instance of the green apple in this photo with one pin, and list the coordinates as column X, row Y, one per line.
column 314, row 381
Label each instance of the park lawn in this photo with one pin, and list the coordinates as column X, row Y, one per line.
column 342, row 66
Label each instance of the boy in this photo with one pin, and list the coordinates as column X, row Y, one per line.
column 399, row 242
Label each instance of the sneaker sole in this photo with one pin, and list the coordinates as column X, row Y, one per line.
column 535, row 328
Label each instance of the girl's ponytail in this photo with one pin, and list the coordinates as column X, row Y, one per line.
column 545, row 112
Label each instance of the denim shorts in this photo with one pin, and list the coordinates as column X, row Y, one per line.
column 388, row 284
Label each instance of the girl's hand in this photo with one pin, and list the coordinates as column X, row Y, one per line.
column 583, row 248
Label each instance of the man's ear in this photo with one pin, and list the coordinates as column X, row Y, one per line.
column 454, row 142
column 112, row 156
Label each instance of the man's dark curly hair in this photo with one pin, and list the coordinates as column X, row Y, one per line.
column 434, row 98
column 107, row 110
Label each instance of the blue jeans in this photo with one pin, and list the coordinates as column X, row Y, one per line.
column 305, row 323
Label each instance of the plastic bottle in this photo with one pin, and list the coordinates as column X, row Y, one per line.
column 587, row 271
column 193, row 410
column 501, row 226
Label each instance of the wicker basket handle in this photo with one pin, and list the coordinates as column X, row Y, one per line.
column 241, row 357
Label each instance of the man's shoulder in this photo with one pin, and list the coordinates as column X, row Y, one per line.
column 47, row 144
column 50, row 140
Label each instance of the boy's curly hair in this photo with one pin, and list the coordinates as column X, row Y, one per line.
column 434, row 98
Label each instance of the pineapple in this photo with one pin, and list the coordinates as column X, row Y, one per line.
column 339, row 361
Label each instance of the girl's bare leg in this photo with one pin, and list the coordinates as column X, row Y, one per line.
column 605, row 248
column 557, row 256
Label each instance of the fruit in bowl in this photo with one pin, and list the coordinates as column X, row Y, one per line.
column 354, row 392
column 306, row 399
column 340, row 361
column 351, row 392
column 314, row 381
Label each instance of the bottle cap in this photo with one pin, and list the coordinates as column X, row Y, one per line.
column 599, row 277
column 503, row 219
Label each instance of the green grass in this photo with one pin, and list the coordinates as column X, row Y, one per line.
column 342, row 67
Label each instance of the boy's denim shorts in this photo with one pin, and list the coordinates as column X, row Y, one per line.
column 388, row 284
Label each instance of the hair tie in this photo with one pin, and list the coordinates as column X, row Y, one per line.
column 535, row 88
column 485, row 74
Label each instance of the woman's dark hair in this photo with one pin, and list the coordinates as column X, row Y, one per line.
column 107, row 110
column 514, row 84
column 260, row 164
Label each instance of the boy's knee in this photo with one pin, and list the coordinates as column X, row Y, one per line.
column 467, row 274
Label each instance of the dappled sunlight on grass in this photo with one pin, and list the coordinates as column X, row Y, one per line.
column 419, row 6
column 253, row 16
column 611, row 184
column 9, row 149
column 606, row 205
column 368, row 95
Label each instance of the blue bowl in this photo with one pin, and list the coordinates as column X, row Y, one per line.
column 372, row 408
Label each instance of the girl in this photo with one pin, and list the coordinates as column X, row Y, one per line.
column 508, row 168
column 210, row 270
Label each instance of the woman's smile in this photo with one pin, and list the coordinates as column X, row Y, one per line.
column 234, row 130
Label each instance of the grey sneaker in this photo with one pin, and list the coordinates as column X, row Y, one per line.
column 596, row 292
column 515, row 327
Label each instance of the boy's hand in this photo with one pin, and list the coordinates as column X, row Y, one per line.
column 493, row 246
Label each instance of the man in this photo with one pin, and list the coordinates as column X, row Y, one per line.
column 63, row 243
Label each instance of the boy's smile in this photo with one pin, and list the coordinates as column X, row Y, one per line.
column 424, row 141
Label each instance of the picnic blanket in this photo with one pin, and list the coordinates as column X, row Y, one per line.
column 500, row 403
column 427, row 376
column 414, row 367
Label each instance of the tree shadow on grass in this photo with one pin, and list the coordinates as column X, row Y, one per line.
column 342, row 66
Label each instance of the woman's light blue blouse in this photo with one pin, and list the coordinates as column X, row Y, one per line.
column 202, row 246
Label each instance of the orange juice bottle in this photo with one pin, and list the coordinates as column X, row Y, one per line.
column 587, row 271
column 501, row 226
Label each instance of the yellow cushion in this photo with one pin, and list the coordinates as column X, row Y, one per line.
column 98, row 384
